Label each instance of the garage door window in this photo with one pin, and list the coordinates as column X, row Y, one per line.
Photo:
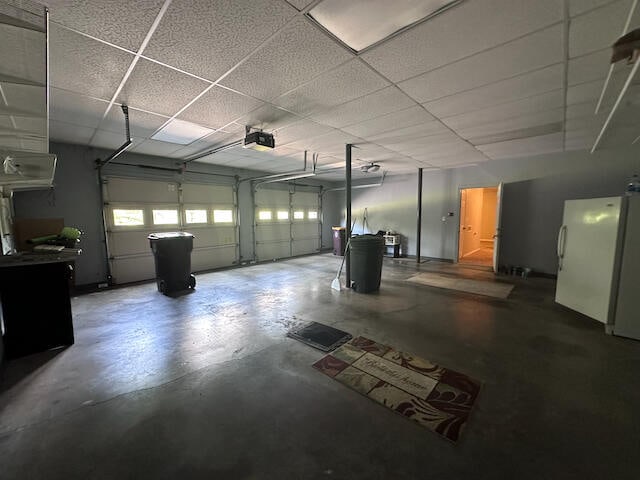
column 283, row 215
column 298, row 215
column 223, row 216
column 127, row 217
column 264, row 215
column 313, row 215
column 195, row 216
column 165, row 217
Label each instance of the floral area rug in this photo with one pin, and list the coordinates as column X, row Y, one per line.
column 435, row 397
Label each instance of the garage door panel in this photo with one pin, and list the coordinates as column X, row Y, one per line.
column 212, row 237
column 207, row 194
column 304, row 230
column 302, row 247
column 127, row 190
column 270, row 198
column 134, row 269
column 271, row 233
column 268, row 251
column 209, row 258
column 305, row 199
column 129, row 243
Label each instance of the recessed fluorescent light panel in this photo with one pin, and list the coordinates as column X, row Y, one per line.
column 362, row 23
column 179, row 131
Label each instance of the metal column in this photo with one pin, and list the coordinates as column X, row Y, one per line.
column 347, row 190
column 419, row 226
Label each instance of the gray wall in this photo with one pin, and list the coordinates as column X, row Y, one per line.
column 534, row 194
column 76, row 198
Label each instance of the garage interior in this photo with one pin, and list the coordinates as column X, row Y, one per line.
column 123, row 119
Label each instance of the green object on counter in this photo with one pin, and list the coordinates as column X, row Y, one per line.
column 71, row 233
column 40, row 240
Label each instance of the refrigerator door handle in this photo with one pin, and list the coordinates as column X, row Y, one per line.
column 562, row 237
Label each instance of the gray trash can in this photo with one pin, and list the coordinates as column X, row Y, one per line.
column 366, row 262
column 172, row 254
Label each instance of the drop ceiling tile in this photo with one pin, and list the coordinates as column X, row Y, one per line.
column 527, row 147
column 451, row 161
column 76, row 109
column 37, row 126
column 519, row 108
column 268, row 118
column 345, row 83
column 392, row 121
column 379, row 103
column 218, row 107
column 284, row 152
column 223, row 138
column 524, row 86
column 69, row 133
column 296, row 55
column 527, row 54
column 300, row 4
column 142, row 124
column 111, row 140
column 159, row 89
column 589, row 67
column 590, row 91
column 439, row 150
column 420, row 133
column 577, row 7
column 120, row 22
column 483, row 129
column 85, row 66
column 332, row 143
column 28, row 98
column 599, row 28
column 18, row 44
column 157, row 148
column 209, row 37
column 299, row 131
column 482, row 25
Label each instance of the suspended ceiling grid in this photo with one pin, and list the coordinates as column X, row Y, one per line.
column 485, row 80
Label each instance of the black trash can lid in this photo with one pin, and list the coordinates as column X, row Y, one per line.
column 169, row 235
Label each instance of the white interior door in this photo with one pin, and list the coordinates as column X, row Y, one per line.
column 586, row 253
column 498, row 234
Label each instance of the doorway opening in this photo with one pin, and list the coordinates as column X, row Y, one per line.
column 478, row 225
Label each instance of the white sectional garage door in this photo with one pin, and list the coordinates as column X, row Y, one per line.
column 286, row 224
column 305, row 223
column 135, row 208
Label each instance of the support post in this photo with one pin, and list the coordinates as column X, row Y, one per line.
column 419, row 223
column 347, row 195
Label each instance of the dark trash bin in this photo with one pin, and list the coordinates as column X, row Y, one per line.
column 366, row 262
column 172, row 254
column 339, row 240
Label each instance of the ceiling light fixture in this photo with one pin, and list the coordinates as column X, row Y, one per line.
column 360, row 24
column 370, row 168
column 181, row 132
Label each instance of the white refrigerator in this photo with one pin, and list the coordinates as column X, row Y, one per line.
column 599, row 261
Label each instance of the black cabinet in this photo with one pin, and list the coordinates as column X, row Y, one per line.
column 36, row 307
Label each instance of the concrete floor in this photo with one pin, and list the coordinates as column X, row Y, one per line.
column 208, row 386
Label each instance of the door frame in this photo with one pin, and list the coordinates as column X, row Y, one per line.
column 459, row 211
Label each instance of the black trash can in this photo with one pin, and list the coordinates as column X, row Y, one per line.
column 366, row 262
column 172, row 254
column 339, row 241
